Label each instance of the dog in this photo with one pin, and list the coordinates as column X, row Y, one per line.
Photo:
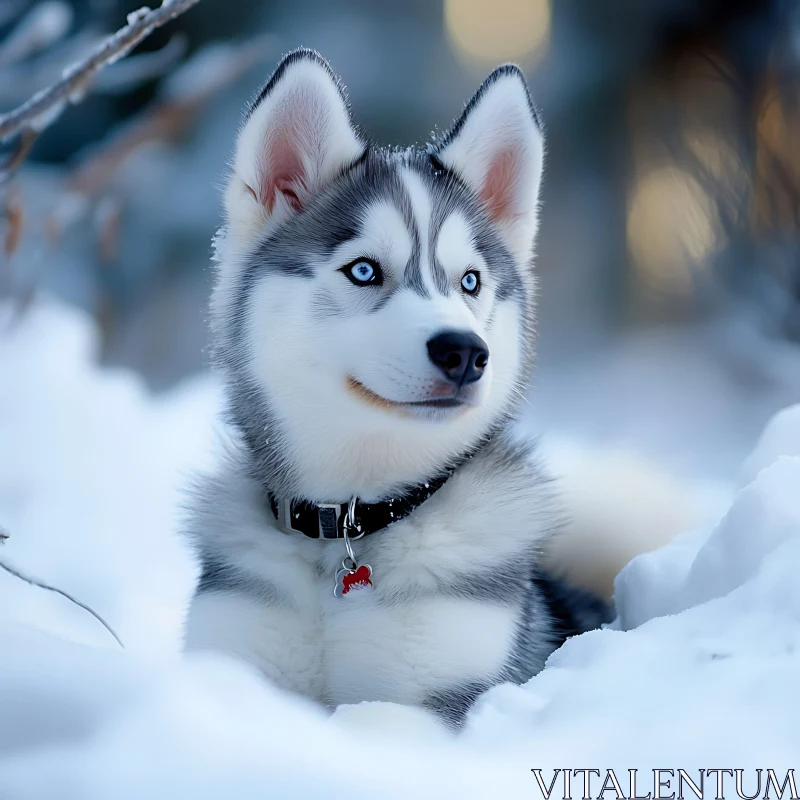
column 377, row 531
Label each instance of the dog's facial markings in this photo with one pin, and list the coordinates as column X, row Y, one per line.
column 456, row 251
column 449, row 197
column 419, row 275
column 341, row 262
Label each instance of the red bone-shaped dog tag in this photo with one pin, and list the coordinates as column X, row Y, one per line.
column 348, row 579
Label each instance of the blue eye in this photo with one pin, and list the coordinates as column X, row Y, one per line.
column 364, row 273
column 471, row 282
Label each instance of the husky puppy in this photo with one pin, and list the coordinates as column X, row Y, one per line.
column 376, row 532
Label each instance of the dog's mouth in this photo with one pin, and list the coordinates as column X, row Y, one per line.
column 378, row 401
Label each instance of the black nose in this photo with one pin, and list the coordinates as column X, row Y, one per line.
column 460, row 355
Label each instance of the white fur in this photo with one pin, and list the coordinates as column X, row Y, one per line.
column 282, row 643
column 404, row 652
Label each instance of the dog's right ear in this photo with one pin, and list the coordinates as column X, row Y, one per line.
column 497, row 148
column 298, row 135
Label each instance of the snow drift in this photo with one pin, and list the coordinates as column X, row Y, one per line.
column 700, row 670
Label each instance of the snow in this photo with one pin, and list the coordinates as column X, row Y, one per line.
column 781, row 437
column 699, row 670
column 91, row 475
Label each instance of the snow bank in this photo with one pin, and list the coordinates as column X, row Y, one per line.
column 90, row 475
column 700, row 669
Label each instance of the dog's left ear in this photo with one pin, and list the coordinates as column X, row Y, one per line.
column 497, row 148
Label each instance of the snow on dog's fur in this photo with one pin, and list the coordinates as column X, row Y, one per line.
column 343, row 270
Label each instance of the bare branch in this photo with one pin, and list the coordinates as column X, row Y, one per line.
column 45, row 106
column 183, row 95
column 32, row 582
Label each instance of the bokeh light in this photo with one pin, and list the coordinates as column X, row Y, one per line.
column 487, row 31
column 671, row 228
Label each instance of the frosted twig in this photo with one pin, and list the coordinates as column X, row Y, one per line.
column 45, row 106
column 33, row 582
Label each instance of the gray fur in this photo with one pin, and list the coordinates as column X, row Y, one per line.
column 220, row 576
column 452, row 705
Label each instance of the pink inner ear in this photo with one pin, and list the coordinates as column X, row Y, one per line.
column 500, row 185
column 283, row 171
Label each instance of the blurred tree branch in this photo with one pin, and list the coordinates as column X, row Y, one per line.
column 182, row 96
column 96, row 186
column 34, row 115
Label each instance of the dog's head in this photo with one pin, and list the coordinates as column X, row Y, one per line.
column 373, row 312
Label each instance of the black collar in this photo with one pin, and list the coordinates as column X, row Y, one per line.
column 326, row 520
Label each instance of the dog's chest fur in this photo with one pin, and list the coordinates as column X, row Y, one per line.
column 454, row 608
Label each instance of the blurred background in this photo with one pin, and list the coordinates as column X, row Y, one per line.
column 669, row 251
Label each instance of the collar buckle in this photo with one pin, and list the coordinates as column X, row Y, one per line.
column 284, row 515
column 329, row 516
